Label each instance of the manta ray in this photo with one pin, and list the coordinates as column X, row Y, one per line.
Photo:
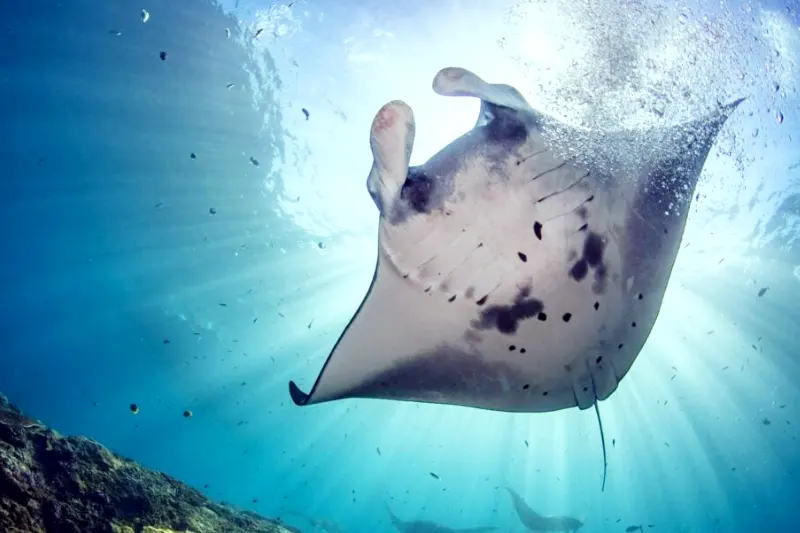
column 511, row 276
column 536, row 522
column 424, row 526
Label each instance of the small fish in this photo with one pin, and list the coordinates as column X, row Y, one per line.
column 187, row 414
column 134, row 408
column 527, row 445
column 766, row 421
column 166, row 341
column 434, row 476
column 230, row 86
column 223, row 305
column 613, row 443
column 321, row 245
column 145, row 16
column 630, row 529
column 227, row 33
column 306, row 113
column 162, row 55
column 259, row 32
column 254, row 161
column 309, row 324
column 212, row 210
column 762, row 292
column 255, row 320
column 378, row 450
column 193, row 156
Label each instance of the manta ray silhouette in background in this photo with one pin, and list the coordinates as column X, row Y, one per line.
column 424, row 526
column 511, row 276
column 533, row 521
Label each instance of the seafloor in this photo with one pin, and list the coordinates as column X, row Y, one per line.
column 56, row 484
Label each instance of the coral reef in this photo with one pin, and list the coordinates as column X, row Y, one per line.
column 55, row 484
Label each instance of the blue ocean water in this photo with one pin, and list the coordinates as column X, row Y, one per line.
column 178, row 234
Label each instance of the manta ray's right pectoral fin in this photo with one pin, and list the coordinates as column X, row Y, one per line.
column 391, row 139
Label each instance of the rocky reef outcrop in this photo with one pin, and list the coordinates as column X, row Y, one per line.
column 50, row 483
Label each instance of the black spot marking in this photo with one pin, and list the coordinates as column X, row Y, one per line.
column 596, row 306
column 598, row 360
column 482, row 300
column 590, row 198
column 584, row 227
column 537, row 229
column 417, row 190
column 452, row 299
column 522, row 257
column 620, row 346
column 506, row 318
column 585, row 389
column 633, row 324
column 568, row 367
column 480, row 245
column 428, row 289
column 526, row 387
column 542, row 316
column 579, row 270
column 566, row 317
column 544, row 393
column 522, row 350
column 640, row 296
column 593, row 249
column 511, row 348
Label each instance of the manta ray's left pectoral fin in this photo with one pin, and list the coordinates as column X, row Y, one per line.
column 391, row 139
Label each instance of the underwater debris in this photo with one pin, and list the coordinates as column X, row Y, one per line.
column 57, row 483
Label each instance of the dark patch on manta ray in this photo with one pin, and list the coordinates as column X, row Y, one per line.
column 592, row 257
column 506, row 318
column 443, row 371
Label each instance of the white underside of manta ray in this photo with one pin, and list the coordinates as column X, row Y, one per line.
column 510, row 277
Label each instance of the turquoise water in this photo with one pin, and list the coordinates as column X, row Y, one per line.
column 121, row 286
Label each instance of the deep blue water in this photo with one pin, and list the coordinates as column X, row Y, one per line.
column 121, row 286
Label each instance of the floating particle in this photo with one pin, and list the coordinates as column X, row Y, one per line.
column 193, row 155
column 321, row 245
column 230, row 86
column 527, row 445
column 755, row 133
column 254, row 161
column 434, row 476
column 763, row 291
column 116, row 33
column 145, row 16
column 259, row 32
column 779, row 117
column 306, row 113
column 162, row 55
column 212, row 211
column 166, row 341
column 134, row 409
column 766, row 421
column 227, row 33
column 378, row 450
column 187, row 414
